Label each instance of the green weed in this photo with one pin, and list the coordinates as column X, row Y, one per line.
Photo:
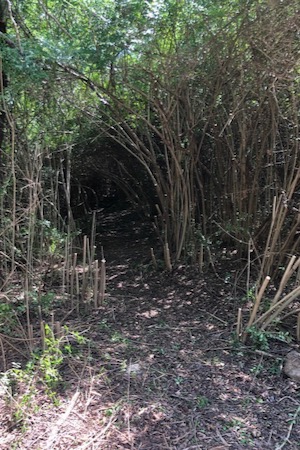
column 202, row 401
column 260, row 339
column 119, row 338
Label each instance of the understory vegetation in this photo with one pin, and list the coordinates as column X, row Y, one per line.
column 186, row 112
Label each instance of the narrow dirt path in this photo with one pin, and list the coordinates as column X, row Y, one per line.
column 160, row 368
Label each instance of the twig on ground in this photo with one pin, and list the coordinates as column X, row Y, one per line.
column 224, row 442
column 286, row 439
column 287, row 397
column 99, row 435
column 269, row 355
column 61, row 421
column 216, row 317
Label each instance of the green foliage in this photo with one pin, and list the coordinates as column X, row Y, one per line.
column 103, row 325
column 19, row 391
column 45, row 365
column 11, row 313
column 276, row 367
column 184, row 86
column 54, row 239
column 250, row 295
column 8, row 318
column 84, row 33
column 22, row 385
column 260, row 339
column 119, row 338
column 5, row 311
column 91, row 35
column 202, row 401
column 257, row 369
column 45, row 302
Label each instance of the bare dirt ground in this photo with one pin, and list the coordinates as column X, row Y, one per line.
column 159, row 368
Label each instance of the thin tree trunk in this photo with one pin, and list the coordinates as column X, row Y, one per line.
column 3, row 77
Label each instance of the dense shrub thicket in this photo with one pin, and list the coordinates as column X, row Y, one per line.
column 189, row 108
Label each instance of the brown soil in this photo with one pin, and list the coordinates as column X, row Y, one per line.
column 160, row 368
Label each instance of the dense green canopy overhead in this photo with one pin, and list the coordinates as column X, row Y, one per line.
column 203, row 95
column 90, row 35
